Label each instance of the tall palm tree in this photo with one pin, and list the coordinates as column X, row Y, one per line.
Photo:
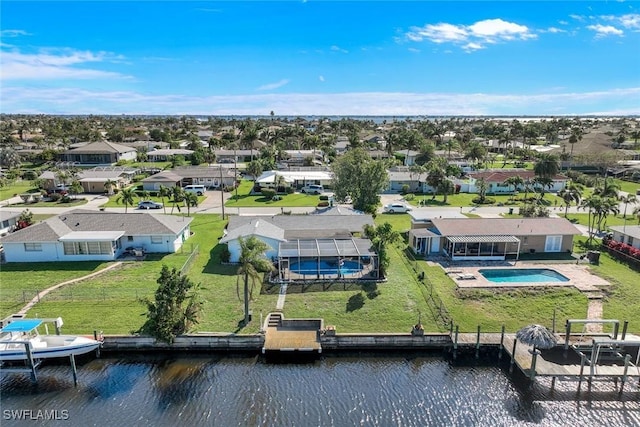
column 191, row 200
column 445, row 188
column 127, row 197
column 109, row 185
column 252, row 262
column 569, row 194
column 608, row 189
column 516, row 181
column 177, row 195
column 548, row 165
column 164, row 192
column 629, row 198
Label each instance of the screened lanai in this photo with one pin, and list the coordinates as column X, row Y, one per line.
column 481, row 247
column 326, row 259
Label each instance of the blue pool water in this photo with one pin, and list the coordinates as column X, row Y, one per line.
column 324, row 267
column 526, row 275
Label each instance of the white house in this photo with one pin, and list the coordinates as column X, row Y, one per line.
column 629, row 234
column 295, row 179
column 82, row 235
column 283, row 228
column 8, row 220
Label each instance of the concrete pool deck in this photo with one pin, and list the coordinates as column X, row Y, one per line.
column 469, row 277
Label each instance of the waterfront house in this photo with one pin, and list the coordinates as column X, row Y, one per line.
column 401, row 176
column 491, row 239
column 99, row 153
column 82, row 235
column 209, row 176
column 295, row 179
column 165, row 178
column 92, row 180
column 316, row 241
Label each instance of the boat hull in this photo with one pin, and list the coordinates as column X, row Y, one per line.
column 48, row 347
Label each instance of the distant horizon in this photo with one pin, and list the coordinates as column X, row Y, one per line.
column 321, row 58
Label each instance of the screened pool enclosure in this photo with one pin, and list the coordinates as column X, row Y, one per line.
column 327, row 259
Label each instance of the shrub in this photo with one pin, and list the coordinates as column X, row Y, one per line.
column 268, row 193
column 289, row 190
column 409, row 197
column 486, row 201
column 225, row 254
column 29, row 175
column 324, row 197
column 405, row 189
column 54, row 197
column 276, row 198
column 65, row 199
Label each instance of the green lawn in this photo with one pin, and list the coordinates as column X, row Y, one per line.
column 16, row 189
column 583, row 218
column 245, row 200
column 50, row 204
column 22, row 281
column 466, row 199
column 629, row 187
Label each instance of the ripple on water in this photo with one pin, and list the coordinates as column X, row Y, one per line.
column 335, row 391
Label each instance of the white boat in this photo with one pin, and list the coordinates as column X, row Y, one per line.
column 15, row 337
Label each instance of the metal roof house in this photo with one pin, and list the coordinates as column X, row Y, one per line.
column 99, row 153
column 308, row 247
column 491, row 239
column 82, row 235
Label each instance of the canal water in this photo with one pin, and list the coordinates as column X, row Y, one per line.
column 376, row 390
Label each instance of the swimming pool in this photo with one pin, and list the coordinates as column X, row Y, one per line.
column 526, row 275
column 324, row 267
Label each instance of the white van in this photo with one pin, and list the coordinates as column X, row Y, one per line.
column 312, row 189
column 197, row 189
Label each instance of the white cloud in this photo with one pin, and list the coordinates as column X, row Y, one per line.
column 629, row 21
column 13, row 33
column 50, row 64
column 577, row 17
column 321, row 78
column 438, row 33
column 555, row 30
column 335, row 48
column 272, row 86
column 605, row 30
column 78, row 101
column 471, row 37
column 413, row 50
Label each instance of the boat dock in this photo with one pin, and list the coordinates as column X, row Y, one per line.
column 289, row 335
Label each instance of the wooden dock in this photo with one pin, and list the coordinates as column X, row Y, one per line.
column 297, row 335
column 571, row 363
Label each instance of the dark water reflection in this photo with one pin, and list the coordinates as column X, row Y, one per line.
column 335, row 391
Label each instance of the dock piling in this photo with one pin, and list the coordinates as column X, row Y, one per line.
column 513, row 355
column 30, row 361
column 627, row 360
column 583, row 359
column 624, row 329
column 501, row 343
column 73, row 369
column 455, row 342
column 478, row 343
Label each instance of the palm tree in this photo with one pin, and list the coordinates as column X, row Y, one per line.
column 127, row 197
column 636, row 212
column 629, row 198
column 608, row 189
column 177, row 194
column 252, row 263
column 548, row 165
column 482, row 186
column 75, row 188
column 571, row 193
column 515, row 181
column 445, row 188
column 109, row 185
column 164, row 192
column 191, row 200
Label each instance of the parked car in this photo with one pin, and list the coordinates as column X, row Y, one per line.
column 397, row 208
column 197, row 189
column 149, row 204
column 312, row 189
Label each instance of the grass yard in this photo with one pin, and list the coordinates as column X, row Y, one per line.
column 50, row 204
column 628, row 186
column 245, row 200
column 25, row 280
column 466, row 199
column 583, row 219
column 17, row 188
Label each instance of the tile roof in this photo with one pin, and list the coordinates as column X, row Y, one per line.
column 352, row 223
column 502, row 175
column 101, row 147
column 504, row 226
column 163, row 176
column 132, row 224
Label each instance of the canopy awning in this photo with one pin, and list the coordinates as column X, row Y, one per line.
column 91, row 236
column 488, row 238
column 319, row 248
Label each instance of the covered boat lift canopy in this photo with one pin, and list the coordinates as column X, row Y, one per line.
column 481, row 247
column 325, row 251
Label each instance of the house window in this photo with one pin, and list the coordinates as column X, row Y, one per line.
column 91, row 248
column 129, row 238
column 33, row 247
column 156, row 239
column 630, row 241
column 5, row 223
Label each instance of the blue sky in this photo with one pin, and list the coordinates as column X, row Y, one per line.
column 320, row 57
